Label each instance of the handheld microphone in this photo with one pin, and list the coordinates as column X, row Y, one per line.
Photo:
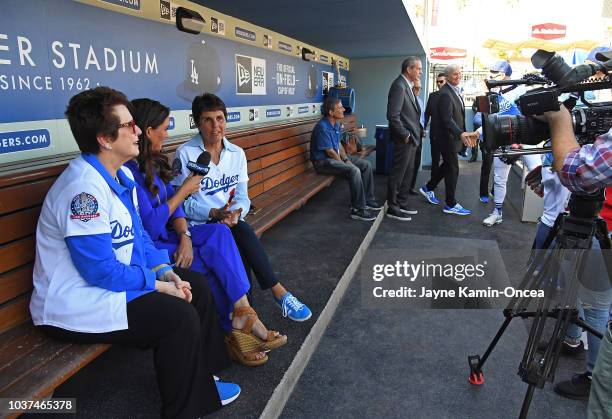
column 200, row 167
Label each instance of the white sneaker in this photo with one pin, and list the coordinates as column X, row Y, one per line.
column 491, row 220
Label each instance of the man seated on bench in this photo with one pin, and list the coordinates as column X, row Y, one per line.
column 216, row 202
column 99, row 279
column 329, row 158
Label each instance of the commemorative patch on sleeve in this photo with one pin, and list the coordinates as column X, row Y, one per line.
column 84, row 207
column 177, row 167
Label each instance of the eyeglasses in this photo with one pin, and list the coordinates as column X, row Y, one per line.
column 132, row 124
column 439, row 81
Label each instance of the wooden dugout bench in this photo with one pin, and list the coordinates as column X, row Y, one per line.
column 32, row 365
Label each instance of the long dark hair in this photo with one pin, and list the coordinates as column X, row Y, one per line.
column 150, row 113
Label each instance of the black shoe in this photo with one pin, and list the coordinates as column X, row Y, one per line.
column 566, row 348
column 413, row 191
column 374, row 205
column 397, row 214
column 362, row 214
column 409, row 211
column 578, row 388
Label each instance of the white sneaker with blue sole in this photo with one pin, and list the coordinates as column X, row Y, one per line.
column 228, row 392
column 457, row 210
column 293, row 308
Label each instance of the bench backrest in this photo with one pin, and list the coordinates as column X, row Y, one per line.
column 275, row 154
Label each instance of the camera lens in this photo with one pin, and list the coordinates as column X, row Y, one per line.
column 504, row 130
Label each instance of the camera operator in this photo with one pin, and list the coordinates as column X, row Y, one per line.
column 585, row 170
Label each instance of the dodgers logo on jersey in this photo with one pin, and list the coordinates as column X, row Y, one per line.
column 121, row 235
column 507, row 107
column 84, row 207
column 211, row 187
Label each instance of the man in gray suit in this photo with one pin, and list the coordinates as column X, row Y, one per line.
column 405, row 130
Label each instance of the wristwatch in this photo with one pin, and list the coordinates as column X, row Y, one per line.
column 187, row 233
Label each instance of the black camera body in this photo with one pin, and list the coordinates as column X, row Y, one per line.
column 504, row 130
column 536, row 102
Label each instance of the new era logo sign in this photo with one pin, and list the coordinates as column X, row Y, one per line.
column 217, row 26
column 164, row 9
column 243, row 74
column 250, row 75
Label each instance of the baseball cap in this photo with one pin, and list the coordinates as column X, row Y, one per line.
column 202, row 71
column 599, row 54
column 502, row 67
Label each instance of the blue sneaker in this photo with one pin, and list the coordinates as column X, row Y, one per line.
column 293, row 308
column 430, row 196
column 457, row 209
column 228, row 392
column 484, row 199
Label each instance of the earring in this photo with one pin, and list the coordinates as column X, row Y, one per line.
column 108, row 147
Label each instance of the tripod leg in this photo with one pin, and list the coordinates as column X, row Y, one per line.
column 527, row 402
column 517, row 304
column 476, row 362
column 587, row 327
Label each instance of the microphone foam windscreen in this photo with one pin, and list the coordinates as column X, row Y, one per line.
column 204, row 158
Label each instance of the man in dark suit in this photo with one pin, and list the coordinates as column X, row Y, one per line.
column 448, row 131
column 435, row 158
column 405, row 130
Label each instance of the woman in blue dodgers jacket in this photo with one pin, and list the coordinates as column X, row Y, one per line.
column 214, row 202
column 206, row 248
column 96, row 269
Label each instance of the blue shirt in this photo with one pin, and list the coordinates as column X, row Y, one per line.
column 324, row 136
column 93, row 255
column 422, row 119
column 153, row 209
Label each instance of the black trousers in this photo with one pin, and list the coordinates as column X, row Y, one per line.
column 435, row 156
column 417, row 164
column 448, row 170
column 187, row 344
column 485, row 170
column 253, row 255
column 400, row 177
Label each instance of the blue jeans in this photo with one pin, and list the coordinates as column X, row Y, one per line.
column 541, row 235
column 359, row 174
column 593, row 305
column 600, row 399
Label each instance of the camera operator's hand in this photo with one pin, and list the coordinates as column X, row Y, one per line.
column 534, row 181
column 561, row 134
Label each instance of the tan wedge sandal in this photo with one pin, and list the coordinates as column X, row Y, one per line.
column 247, row 341
column 248, row 359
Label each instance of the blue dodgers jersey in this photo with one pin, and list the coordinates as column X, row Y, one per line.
column 507, row 107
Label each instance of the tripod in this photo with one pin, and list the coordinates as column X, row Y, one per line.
column 571, row 235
